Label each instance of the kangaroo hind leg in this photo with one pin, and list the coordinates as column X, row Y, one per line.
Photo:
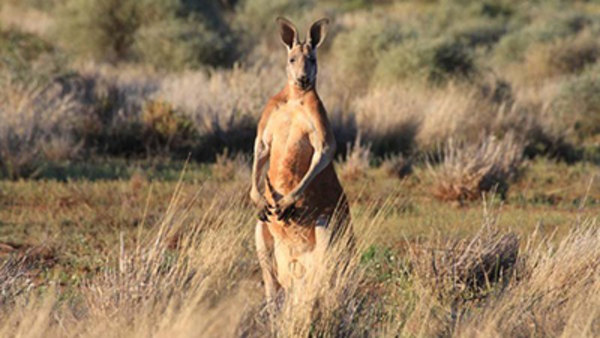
column 265, row 251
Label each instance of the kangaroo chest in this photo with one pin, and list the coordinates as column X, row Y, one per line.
column 291, row 151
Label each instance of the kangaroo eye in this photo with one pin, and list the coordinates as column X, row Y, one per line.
column 292, row 60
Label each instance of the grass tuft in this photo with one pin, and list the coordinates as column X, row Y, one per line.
column 467, row 171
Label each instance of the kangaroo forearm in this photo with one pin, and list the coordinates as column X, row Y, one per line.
column 261, row 156
column 319, row 161
column 257, row 169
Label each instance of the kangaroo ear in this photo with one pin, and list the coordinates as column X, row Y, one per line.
column 316, row 33
column 287, row 32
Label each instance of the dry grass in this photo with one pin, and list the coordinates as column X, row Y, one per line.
column 466, row 269
column 27, row 19
column 557, row 293
column 183, row 276
column 357, row 160
column 224, row 98
column 195, row 274
column 37, row 123
column 466, row 171
column 409, row 119
column 229, row 167
column 398, row 166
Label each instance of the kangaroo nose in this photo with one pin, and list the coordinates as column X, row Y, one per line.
column 303, row 78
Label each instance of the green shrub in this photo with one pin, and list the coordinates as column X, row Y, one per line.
column 102, row 29
column 42, row 5
column 434, row 61
column 26, row 46
column 176, row 44
column 480, row 33
column 512, row 47
column 494, row 9
column 357, row 52
column 450, row 59
column 256, row 17
column 546, row 29
column 28, row 58
column 578, row 104
column 165, row 33
column 183, row 33
column 404, row 61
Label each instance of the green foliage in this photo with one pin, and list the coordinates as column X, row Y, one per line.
column 101, row 29
column 403, row 61
column 170, row 34
column 176, row 44
column 450, row 59
column 579, row 104
column 257, row 17
column 512, row 47
column 28, row 47
column 358, row 51
column 546, row 28
column 27, row 57
column 43, row 5
column 480, row 33
column 435, row 62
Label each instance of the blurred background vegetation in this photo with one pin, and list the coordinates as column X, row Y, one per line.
column 146, row 78
column 455, row 120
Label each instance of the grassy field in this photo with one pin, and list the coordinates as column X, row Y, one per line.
column 107, row 255
column 468, row 144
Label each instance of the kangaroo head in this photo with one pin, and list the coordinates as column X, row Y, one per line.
column 302, row 56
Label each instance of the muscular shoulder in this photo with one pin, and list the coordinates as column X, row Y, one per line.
column 317, row 110
column 318, row 118
column 274, row 102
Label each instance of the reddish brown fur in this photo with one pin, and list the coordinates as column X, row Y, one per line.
column 289, row 164
column 296, row 140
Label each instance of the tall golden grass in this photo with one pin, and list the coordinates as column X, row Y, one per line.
column 195, row 274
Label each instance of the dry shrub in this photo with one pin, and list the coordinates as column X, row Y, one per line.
column 403, row 119
column 37, row 124
column 449, row 113
column 357, row 161
column 222, row 95
column 466, row 171
column 18, row 271
column 115, row 99
column 165, row 127
column 138, row 112
column 465, row 269
column 557, row 295
column 223, row 106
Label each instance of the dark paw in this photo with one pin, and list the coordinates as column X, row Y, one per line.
column 285, row 214
column 264, row 213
